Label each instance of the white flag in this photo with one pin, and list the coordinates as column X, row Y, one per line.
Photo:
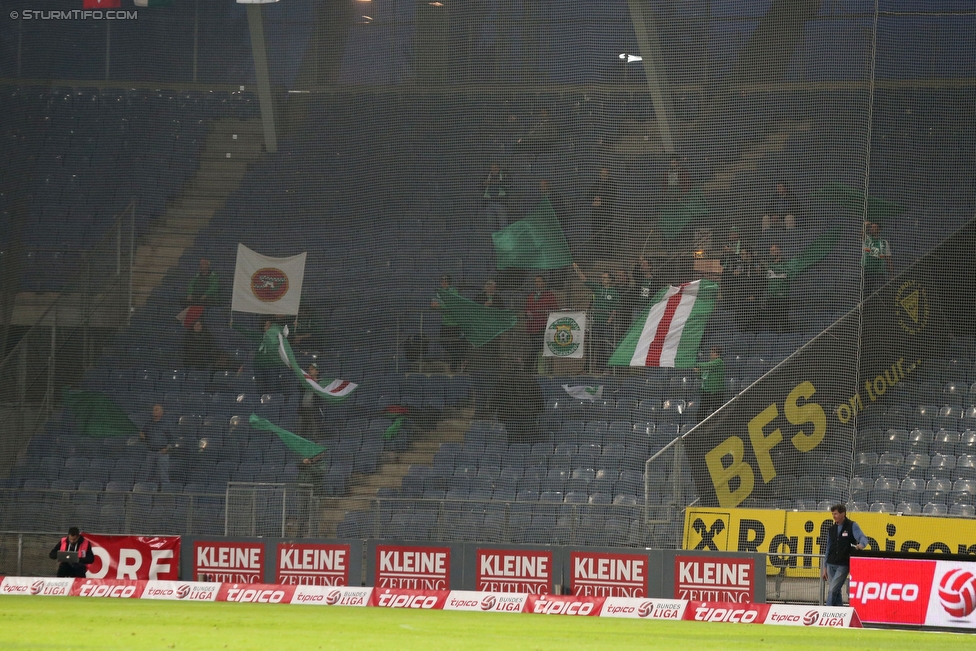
column 264, row 285
column 565, row 333
column 584, row 392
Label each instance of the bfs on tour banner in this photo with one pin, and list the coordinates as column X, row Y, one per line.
column 134, row 557
column 803, row 412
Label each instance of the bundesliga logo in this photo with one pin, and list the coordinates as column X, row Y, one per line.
column 811, row 618
column 333, row 597
column 36, row 587
column 183, row 591
column 957, row 592
column 488, row 602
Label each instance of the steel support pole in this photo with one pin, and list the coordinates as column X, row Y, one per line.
column 255, row 24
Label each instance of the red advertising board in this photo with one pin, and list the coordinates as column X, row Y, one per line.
column 256, row 593
column 526, row 571
column 729, row 612
column 108, row 588
column 228, row 562
column 413, row 568
column 712, row 578
column 915, row 592
column 402, row 598
column 564, row 605
column 306, row 564
column 601, row 574
column 134, row 557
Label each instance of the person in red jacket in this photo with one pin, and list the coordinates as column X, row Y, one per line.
column 538, row 305
column 74, row 542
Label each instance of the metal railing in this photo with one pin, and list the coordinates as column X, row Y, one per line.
column 63, row 339
column 267, row 509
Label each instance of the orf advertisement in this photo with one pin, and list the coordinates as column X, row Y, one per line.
column 228, row 562
column 311, row 564
column 527, row 571
column 914, row 592
column 599, row 574
column 413, row 568
column 136, row 558
column 711, row 578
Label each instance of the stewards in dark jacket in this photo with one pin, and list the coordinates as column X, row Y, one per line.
column 74, row 542
column 198, row 348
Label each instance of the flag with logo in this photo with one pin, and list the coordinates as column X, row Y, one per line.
column 585, row 392
column 565, row 335
column 536, row 242
column 300, row 446
column 670, row 330
column 330, row 390
column 264, row 285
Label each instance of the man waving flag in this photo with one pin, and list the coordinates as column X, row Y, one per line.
column 331, row 390
column 670, row 331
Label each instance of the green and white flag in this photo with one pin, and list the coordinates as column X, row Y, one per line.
column 152, row 3
column 565, row 335
column 331, row 390
column 584, row 392
column 671, row 329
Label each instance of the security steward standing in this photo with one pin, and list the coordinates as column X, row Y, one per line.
column 74, row 542
column 843, row 536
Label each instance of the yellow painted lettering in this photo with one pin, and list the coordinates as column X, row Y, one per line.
column 762, row 444
column 722, row 475
column 809, row 412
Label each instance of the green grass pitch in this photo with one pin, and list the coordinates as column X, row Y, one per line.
column 67, row 623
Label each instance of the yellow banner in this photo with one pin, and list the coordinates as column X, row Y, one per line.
column 779, row 533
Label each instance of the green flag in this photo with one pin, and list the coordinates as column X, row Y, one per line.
column 853, row 200
column 536, row 242
column 676, row 215
column 96, row 414
column 302, row 447
column 479, row 324
column 815, row 251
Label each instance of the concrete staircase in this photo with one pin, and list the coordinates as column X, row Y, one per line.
column 393, row 466
column 775, row 141
column 230, row 146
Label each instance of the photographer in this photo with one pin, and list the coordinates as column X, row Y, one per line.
column 74, row 542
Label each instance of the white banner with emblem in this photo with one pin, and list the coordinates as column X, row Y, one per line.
column 565, row 332
column 264, row 285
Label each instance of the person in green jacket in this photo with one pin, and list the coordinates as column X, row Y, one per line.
column 605, row 307
column 779, row 274
column 203, row 287
column 451, row 336
column 712, row 383
column 267, row 361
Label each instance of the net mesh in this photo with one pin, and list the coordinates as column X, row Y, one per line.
column 800, row 156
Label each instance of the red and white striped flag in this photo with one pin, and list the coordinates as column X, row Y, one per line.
column 331, row 390
column 671, row 329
